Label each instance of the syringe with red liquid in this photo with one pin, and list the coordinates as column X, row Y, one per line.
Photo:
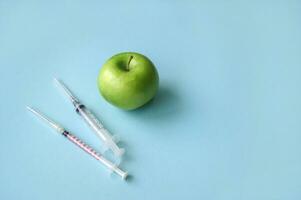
column 80, row 144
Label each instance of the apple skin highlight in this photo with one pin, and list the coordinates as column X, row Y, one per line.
column 128, row 80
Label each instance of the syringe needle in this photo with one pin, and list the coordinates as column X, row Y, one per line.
column 51, row 123
column 67, row 92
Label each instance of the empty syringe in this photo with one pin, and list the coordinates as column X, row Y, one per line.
column 92, row 121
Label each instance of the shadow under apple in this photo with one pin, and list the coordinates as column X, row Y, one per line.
column 164, row 107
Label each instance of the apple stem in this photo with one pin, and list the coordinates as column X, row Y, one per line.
column 128, row 65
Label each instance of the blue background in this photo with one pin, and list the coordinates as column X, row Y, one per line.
column 224, row 125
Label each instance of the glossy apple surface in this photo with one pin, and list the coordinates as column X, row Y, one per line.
column 128, row 80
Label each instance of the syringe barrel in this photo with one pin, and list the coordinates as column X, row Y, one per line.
column 96, row 155
column 99, row 129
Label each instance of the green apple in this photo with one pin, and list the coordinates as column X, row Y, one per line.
column 128, row 80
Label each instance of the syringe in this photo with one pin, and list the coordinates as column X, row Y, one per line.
column 92, row 121
column 80, row 144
